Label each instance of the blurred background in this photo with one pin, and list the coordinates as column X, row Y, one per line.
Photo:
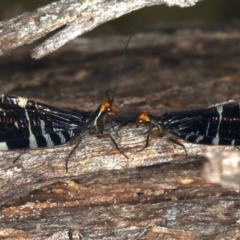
column 207, row 68
column 207, row 12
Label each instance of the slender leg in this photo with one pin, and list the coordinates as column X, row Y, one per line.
column 114, row 142
column 149, row 129
column 146, row 144
column 176, row 141
column 71, row 153
column 116, row 145
column 149, row 132
column 21, row 153
column 113, row 127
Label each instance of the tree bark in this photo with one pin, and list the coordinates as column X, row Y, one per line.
column 76, row 16
column 157, row 193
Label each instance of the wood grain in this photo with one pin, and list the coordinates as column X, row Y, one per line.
column 74, row 17
column 157, row 193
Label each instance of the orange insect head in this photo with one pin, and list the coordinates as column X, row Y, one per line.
column 142, row 118
column 108, row 107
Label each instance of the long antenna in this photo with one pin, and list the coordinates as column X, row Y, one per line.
column 120, row 66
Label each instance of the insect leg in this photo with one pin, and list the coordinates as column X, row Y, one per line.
column 71, row 153
column 20, row 154
column 114, row 142
column 176, row 141
column 146, row 143
column 149, row 132
column 116, row 145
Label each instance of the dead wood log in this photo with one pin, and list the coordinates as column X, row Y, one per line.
column 76, row 16
column 156, row 193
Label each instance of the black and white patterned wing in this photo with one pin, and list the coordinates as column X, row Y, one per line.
column 217, row 125
column 28, row 124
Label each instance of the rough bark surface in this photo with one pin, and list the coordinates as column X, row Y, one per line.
column 76, row 16
column 157, row 193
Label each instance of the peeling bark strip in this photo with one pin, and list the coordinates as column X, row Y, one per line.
column 77, row 16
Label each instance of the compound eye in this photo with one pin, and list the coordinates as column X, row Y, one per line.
column 109, row 109
column 140, row 121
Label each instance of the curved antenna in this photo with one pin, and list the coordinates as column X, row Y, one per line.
column 113, row 92
column 108, row 96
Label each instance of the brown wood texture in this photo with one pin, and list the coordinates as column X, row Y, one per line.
column 70, row 18
column 157, row 193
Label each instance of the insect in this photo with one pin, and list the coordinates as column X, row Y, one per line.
column 25, row 123
column 215, row 125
